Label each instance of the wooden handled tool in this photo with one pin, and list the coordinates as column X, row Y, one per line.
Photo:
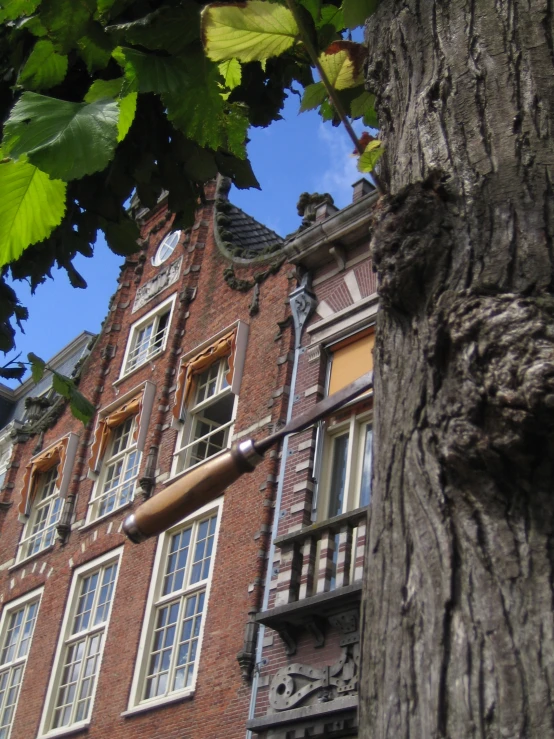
column 207, row 481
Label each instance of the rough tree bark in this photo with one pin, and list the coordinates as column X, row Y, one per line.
column 458, row 634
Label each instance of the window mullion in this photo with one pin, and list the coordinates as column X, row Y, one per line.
column 349, row 483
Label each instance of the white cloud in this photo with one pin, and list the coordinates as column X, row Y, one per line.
column 342, row 171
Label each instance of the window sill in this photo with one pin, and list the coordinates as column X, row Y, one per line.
column 66, row 731
column 89, row 524
column 126, row 376
column 25, row 561
column 154, row 704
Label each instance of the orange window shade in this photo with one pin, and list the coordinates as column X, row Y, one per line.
column 224, row 347
column 106, row 424
column 55, row 455
column 351, row 359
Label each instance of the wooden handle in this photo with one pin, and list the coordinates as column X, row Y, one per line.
column 189, row 493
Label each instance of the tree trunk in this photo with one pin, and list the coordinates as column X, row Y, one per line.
column 458, row 632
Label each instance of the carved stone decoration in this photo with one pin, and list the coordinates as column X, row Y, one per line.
column 254, row 306
column 165, row 277
column 307, row 206
column 302, row 304
column 297, row 684
column 247, row 655
column 148, row 481
column 347, row 623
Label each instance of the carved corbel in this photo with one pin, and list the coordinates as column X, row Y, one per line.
column 339, row 257
column 286, row 632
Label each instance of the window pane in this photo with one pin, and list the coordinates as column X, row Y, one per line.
column 203, row 551
column 15, row 644
column 81, row 658
column 177, row 561
column 338, row 475
column 365, row 487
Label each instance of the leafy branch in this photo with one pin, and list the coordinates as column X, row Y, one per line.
column 331, row 90
column 81, row 408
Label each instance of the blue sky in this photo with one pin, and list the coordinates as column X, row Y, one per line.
column 294, row 155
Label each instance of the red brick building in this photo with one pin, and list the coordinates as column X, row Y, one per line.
column 213, row 335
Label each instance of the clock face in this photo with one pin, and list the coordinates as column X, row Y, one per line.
column 166, row 248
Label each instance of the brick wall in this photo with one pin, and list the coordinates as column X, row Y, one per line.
column 220, row 703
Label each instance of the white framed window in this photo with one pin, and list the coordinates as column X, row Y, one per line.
column 39, row 532
column 16, row 633
column 166, row 248
column 148, row 336
column 117, row 482
column 345, row 479
column 73, row 682
column 170, row 645
column 210, row 415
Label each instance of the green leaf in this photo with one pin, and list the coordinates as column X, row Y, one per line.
column 314, row 95
column 95, row 48
column 31, row 206
column 44, row 67
column 121, row 236
column 81, row 407
column 249, row 31
column 326, row 111
column 151, row 72
column 199, row 164
column 231, row 72
column 127, row 110
column 12, row 9
column 127, row 104
column 331, row 16
column 313, row 7
column 356, row 11
column 104, row 89
column 363, row 107
column 13, row 373
column 343, row 62
column 198, row 109
column 239, row 170
column 33, row 25
column 66, row 20
column 373, row 152
column 66, row 140
column 38, row 366
column 168, row 29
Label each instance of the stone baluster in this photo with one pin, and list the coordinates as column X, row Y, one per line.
column 359, row 551
column 326, row 568
column 344, row 555
column 309, row 549
column 289, row 574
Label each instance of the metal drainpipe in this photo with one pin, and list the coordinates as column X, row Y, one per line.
column 303, row 303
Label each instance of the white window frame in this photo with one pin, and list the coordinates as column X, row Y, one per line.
column 156, row 600
column 25, row 601
column 194, row 409
column 355, row 426
column 157, row 259
column 151, row 318
column 52, row 500
column 66, row 639
column 109, row 461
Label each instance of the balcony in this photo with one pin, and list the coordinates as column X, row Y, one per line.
column 320, row 579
